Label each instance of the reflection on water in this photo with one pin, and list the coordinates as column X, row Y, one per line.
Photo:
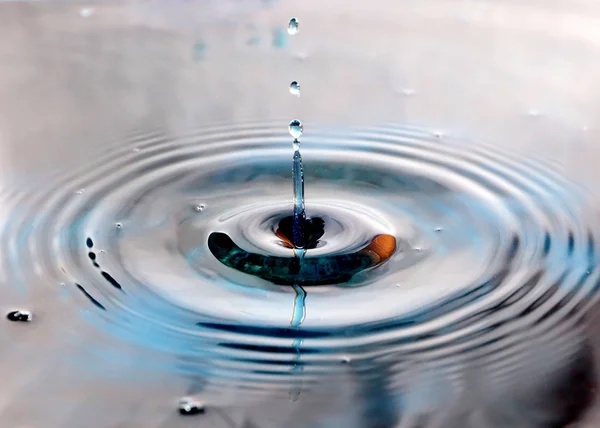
column 442, row 285
column 486, row 328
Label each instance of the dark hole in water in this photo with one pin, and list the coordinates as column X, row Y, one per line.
column 314, row 228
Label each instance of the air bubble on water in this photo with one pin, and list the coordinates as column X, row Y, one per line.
column 19, row 316
column 295, row 88
column 295, row 128
column 86, row 12
column 187, row 406
column 293, row 27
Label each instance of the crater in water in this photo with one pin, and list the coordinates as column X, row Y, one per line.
column 490, row 270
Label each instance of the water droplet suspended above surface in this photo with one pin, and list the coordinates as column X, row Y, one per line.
column 295, row 127
column 293, row 27
column 295, row 88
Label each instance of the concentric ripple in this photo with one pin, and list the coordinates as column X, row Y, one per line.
column 492, row 252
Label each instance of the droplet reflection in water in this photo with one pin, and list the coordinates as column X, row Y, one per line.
column 293, row 27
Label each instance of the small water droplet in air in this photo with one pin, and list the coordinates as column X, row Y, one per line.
column 295, row 88
column 407, row 92
column 118, row 225
column 346, row 360
column 189, row 407
column 296, row 145
column 295, row 128
column 136, row 150
column 438, row 229
column 439, row 134
column 19, row 316
column 293, row 26
column 86, row 12
column 80, row 191
column 418, row 249
column 199, row 208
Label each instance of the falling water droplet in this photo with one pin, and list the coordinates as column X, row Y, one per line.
column 19, row 316
column 189, row 407
column 80, row 191
column 118, row 225
column 136, row 150
column 346, row 360
column 438, row 229
column 199, row 208
column 295, row 88
column 296, row 145
column 296, row 129
column 293, row 27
